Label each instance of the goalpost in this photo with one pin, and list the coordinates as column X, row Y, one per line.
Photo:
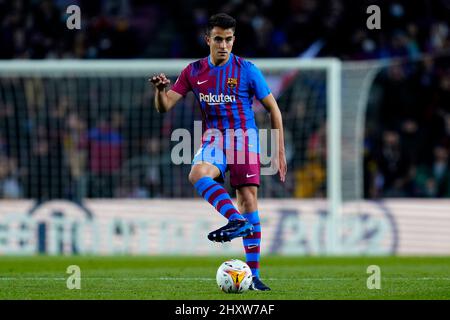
column 89, row 89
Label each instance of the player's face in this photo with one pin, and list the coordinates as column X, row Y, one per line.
column 220, row 42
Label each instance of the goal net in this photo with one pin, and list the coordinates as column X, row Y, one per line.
column 89, row 129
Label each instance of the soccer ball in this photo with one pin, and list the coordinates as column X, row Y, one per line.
column 234, row 276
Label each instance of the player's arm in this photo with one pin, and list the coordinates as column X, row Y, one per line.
column 271, row 105
column 164, row 100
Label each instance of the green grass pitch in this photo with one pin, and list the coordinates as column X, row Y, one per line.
column 189, row 278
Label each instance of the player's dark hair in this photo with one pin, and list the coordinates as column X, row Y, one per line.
column 221, row 20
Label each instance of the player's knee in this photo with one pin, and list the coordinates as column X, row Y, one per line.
column 247, row 199
column 201, row 170
column 193, row 177
column 248, row 202
column 196, row 174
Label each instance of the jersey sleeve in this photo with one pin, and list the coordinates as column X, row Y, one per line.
column 257, row 82
column 182, row 85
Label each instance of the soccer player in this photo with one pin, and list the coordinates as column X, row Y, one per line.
column 225, row 84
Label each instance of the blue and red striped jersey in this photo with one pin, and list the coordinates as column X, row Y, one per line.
column 225, row 93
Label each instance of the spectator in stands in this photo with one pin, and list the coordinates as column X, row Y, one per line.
column 311, row 177
column 10, row 187
column 393, row 166
column 10, row 132
column 75, row 154
column 39, row 173
column 433, row 180
column 45, row 172
column 105, row 158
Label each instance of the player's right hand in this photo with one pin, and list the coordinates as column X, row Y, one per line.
column 159, row 81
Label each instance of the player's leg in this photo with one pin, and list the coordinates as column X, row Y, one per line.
column 245, row 177
column 247, row 204
column 202, row 176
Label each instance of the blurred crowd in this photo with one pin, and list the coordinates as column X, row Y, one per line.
column 75, row 155
column 56, row 148
column 408, row 131
column 36, row 29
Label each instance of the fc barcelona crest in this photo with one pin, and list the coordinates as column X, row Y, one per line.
column 232, row 83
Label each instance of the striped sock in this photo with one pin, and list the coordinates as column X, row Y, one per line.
column 252, row 243
column 218, row 197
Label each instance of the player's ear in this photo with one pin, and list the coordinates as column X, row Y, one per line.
column 207, row 39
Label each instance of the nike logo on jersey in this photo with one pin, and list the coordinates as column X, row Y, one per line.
column 201, row 82
column 250, row 175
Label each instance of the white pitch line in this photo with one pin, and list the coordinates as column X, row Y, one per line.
column 167, row 279
column 212, row 279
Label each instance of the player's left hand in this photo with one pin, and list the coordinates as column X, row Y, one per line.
column 282, row 166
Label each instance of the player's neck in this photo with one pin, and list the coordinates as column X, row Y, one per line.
column 219, row 63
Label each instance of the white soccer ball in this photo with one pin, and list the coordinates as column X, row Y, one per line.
column 234, row 276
